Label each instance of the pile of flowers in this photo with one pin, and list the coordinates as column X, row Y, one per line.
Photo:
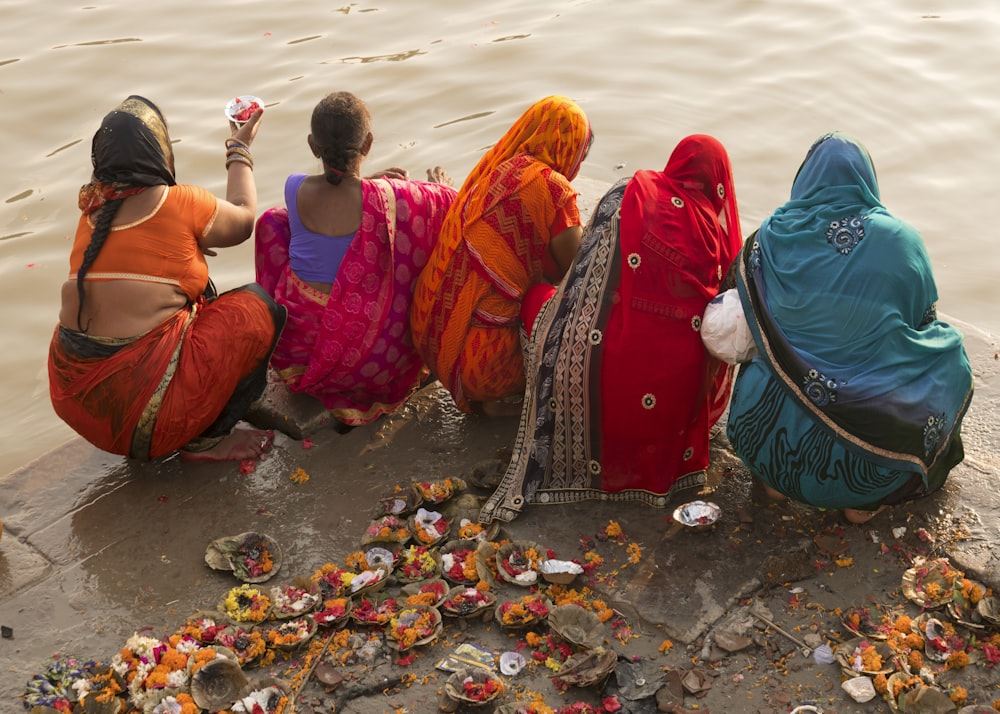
column 388, row 529
column 291, row 632
column 374, row 612
column 429, row 593
column 333, row 581
column 417, row 562
column 521, row 564
column 247, row 644
column 333, row 610
column 252, row 559
column 412, row 625
column 203, row 629
column 438, row 491
column 481, row 691
column 526, row 610
column 429, row 526
column 246, row 603
column 470, row 530
column 291, row 600
column 547, row 649
column 467, row 601
column 459, row 566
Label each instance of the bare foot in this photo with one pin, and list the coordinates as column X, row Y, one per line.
column 499, row 408
column 762, row 493
column 438, row 175
column 240, row 444
column 861, row 517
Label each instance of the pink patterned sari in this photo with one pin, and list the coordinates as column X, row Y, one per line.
column 352, row 349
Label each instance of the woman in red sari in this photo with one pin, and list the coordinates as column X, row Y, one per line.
column 514, row 223
column 621, row 394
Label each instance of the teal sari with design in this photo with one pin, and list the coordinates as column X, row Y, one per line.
column 858, row 391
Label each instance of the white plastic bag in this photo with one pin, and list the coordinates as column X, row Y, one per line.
column 724, row 329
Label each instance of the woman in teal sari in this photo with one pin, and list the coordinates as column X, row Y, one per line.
column 856, row 395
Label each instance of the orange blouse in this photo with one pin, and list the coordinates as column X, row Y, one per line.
column 161, row 247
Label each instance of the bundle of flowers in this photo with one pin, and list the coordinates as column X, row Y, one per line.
column 333, row 611
column 465, row 601
column 519, row 563
column 417, row 562
column 291, row 600
column 179, row 703
column 430, row 592
column 253, row 558
column 526, row 610
column 374, row 612
column 246, row 603
column 459, row 565
column 438, row 491
column 102, row 687
column 247, row 644
column 368, row 580
column 269, row 699
column 333, row 581
column 473, row 686
column 56, row 686
column 291, row 633
column 930, row 583
column 203, row 628
column 414, row 625
column 547, row 649
column 471, row 530
column 429, row 527
column 387, row 529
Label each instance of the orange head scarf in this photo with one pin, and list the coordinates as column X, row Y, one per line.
column 553, row 131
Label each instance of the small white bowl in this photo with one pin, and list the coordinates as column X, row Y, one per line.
column 240, row 104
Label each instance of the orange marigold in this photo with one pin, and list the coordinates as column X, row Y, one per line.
column 613, row 529
column 958, row 695
column 956, row 660
column 903, row 624
column 914, row 641
column 881, row 683
column 915, row 659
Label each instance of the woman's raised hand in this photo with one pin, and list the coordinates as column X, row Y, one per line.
column 248, row 131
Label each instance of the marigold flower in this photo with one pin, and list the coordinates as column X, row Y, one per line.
column 956, row 660
column 881, row 683
column 959, row 695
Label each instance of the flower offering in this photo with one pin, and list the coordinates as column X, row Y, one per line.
column 292, row 600
column 523, row 612
column 246, row 603
column 291, row 633
column 458, row 562
column 333, row 612
column 439, row 491
column 465, row 601
column 429, row 527
column 247, row 644
column 414, row 625
column 369, row 611
column 520, row 563
column 418, row 562
column 387, row 529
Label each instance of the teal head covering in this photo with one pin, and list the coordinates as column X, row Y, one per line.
column 841, row 299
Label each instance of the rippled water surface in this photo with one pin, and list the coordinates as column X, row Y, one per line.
column 913, row 79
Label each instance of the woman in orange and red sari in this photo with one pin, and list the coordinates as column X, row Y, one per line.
column 147, row 359
column 621, row 393
column 514, row 223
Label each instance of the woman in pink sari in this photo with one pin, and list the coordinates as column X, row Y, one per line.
column 343, row 256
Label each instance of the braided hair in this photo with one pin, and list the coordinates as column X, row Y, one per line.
column 102, row 227
column 340, row 127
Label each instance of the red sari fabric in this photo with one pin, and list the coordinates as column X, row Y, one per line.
column 178, row 382
column 351, row 348
column 621, row 393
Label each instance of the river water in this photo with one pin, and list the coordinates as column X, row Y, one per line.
column 915, row 80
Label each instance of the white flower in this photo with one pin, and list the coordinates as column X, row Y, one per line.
column 177, row 679
column 448, row 562
column 528, row 577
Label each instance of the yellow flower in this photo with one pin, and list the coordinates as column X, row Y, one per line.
column 634, row 553
column 613, row 530
column 666, row 646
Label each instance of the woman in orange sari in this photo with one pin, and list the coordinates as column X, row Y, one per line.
column 147, row 359
column 621, row 393
column 514, row 223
